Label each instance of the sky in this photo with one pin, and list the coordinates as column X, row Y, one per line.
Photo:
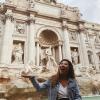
column 90, row 9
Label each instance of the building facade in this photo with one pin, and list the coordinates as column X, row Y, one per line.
column 29, row 27
column 43, row 32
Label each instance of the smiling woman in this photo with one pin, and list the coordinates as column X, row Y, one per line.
column 61, row 86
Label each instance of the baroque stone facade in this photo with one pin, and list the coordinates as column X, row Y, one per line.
column 28, row 28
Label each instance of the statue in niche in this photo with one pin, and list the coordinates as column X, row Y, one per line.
column 20, row 28
column 31, row 3
column 97, row 38
column 43, row 58
column 18, row 54
column 48, row 61
column 51, row 60
column 74, row 55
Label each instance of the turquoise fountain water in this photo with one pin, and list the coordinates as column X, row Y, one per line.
column 91, row 98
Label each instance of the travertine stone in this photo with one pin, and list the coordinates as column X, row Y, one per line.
column 42, row 26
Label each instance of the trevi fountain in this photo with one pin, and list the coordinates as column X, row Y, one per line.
column 34, row 36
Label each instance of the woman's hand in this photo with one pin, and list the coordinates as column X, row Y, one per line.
column 26, row 75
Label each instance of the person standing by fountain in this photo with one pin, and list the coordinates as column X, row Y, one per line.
column 62, row 85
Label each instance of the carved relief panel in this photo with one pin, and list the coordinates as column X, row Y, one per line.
column 17, row 52
column 73, row 36
column 20, row 28
column 22, row 3
column 89, row 38
column 70, row 13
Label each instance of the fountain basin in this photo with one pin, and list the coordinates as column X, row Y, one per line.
column 96, row 97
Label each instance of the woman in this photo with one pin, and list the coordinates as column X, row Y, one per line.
column 61, row 86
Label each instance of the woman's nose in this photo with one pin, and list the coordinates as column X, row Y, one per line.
column 62, row 65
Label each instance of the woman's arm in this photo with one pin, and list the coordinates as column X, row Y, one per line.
column 39, row 86
column 77, row 95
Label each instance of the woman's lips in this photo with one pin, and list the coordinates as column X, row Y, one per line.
column 62, row 69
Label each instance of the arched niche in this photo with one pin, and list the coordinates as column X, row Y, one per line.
column 48, row 39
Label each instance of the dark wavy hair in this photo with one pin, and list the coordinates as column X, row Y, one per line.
column 55, row 78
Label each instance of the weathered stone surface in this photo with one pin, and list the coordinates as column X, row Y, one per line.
column 89, row 85
column 40, row 25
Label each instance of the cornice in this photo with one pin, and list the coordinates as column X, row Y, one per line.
column 9, row 6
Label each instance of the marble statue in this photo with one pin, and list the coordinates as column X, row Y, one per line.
column 47, row 60
column 97, row 38
column 18, row 54
column 32, row 70
column 51, row 60
column 43, row 58
column 74, row 55
column 31, row 3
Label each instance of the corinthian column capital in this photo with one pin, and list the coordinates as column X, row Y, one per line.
column 31, row 19
column 9, row 15
column 60, row 42
column 81, row 27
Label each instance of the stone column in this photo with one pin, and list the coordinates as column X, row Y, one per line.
column 7, row 41
column 38, row 49
column 60, row 51
column 66, row 45
column 53, row 52
column 84, row 55
column 95, row 59
column 31, row 39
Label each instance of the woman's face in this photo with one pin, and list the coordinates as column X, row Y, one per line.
column 63, row 67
